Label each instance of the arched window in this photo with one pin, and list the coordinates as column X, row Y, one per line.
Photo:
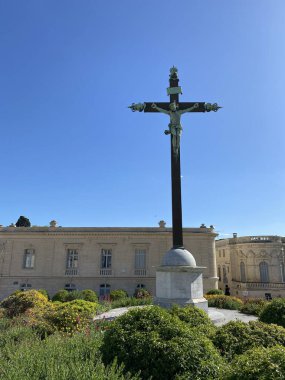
column 219, row 273
column 70, row 287
column 104, row 290
column 25, row 286
column 29, row 258
column 263, row 268
column 242, row 272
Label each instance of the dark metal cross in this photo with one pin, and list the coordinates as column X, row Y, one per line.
column 174, row 109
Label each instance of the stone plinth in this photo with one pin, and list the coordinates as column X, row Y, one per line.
column 179, row 281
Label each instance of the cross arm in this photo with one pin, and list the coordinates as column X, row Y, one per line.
column 147, row 106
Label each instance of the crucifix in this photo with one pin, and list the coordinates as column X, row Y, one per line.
column 174, row 109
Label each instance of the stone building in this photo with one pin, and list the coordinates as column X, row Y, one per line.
column 252, row 266
column 98, row 258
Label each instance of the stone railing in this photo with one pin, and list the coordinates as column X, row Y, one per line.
column 71, row 272
column 259, row 285
column 140, row 272
column 105, row 272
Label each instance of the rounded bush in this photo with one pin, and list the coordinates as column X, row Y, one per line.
column 118, row 294
column 214, row 291
column 159, row 345
column 274, row 312
column 60, row 296
column 224, row 302
column 259, row 363
column 236, row 337
column 44, row 292
column 89, row 295
column 253, row 306
column 194, row 317
column 72, row 316
column 18, row 303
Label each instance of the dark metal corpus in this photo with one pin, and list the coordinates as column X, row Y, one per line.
column 175, row 109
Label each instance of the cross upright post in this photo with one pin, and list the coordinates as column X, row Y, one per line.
column 174, row 109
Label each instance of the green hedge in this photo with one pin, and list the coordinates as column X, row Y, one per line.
column 274, row 312
column 236, row 337
column 224, row 302
column 253, row 306
column 161, row 346
column 258, row 364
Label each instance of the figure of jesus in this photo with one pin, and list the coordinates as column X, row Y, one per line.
column 175, row 127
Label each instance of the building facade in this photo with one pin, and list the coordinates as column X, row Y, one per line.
column 101, row 259
column 252, row 266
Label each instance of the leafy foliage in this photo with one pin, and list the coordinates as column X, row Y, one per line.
column 118, row 294
column 224, row 302
column 64, row 296
column 236, row 337
column 258, row 363
column 214, row 291
column 253, row 306
column 194, row 317
column 158, row 344
column 18, row 302
column 72, row 316
column 23, row 222
column 274, row 312
column 23, row 356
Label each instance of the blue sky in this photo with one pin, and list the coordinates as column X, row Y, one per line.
column 71, row 150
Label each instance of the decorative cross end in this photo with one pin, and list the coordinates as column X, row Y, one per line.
column 212, row 107
column 137, row 107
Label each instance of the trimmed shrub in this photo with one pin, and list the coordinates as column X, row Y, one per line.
column 60, row 296
column 89, row 295
column 141, row 293
column 224, row 302
column 18, row 303
column 194, row 318
column 131, row 301
column 253, row 306
column 73, row 295
column 118, row 294
column 159, row 345
column 214, row 291
column 258, row 363
column 274, row 312
column 72, row 316
column 236, row 337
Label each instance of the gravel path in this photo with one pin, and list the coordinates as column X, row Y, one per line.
column 218, row 316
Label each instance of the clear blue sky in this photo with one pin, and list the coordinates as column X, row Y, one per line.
column 71, row 150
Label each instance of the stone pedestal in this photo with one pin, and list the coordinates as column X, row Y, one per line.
column 179, row 281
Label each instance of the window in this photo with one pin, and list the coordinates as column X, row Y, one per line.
column 104, row 291
column 220, row 255
column 72, row 259
column 106, row 262
column 106, row 258
column 282, row 268
column 70, row 287
column 242, row 272
column 25, row 286
column 219, row 273
column 263, row 268
column 224, row 253
column 29, row 258
column 225, row 280
column 140, row 262
column 140, row 286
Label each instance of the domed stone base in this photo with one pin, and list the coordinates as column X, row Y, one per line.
column 178, row 257
column 181, row 285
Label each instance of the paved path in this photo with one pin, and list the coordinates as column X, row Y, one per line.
column 218, row 316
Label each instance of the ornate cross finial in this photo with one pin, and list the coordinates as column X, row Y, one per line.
column 173, row 72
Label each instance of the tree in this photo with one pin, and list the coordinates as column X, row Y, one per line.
column 23, row 222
